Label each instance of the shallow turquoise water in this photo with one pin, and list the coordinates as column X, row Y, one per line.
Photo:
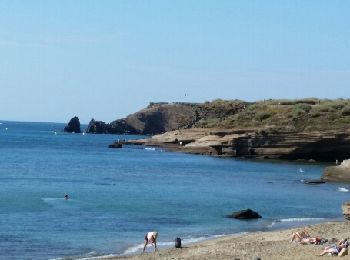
column 117, row 195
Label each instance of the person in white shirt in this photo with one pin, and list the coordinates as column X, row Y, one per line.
column 151, row 238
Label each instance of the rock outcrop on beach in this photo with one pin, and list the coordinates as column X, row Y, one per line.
column 73, row 126
column 339, row 173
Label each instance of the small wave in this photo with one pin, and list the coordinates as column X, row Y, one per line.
column 97, row 257
column 299, row 219
column 58, row 202
column 341, row 189
column 89, row 256
column 295, row 220
column 190, row 240
column 52, row 199
column 133, row 249
column 150, row 148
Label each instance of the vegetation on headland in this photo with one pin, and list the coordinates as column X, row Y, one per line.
column 272, row 115
column 291, row 115
column 303, row 129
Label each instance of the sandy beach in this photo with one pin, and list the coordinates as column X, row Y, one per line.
column 266, row 245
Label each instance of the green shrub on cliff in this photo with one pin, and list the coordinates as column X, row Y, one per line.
column 286, row 115
column 300, row 110
column 345, row 111
column 260, row 116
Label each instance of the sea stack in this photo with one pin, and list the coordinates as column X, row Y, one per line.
column 73, row 126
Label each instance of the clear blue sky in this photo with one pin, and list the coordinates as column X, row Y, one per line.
column 107, row 59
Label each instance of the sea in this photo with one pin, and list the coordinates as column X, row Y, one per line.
column 117, row 195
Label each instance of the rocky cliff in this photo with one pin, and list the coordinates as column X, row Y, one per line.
column 158, row 118
column 308, row 129
column 275, row 115
column 248, row 143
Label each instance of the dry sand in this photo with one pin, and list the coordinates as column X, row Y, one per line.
column 266, row 245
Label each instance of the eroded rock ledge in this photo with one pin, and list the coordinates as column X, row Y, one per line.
column 250, row 143
column 340, row 173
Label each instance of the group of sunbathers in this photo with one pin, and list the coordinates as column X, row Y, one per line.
column 339, row 249
column 303, row 237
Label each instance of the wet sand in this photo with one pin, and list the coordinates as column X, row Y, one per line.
column 266, row 245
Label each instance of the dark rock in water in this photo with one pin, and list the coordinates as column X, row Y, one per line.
column 115, row 145
column 97, row 127
column 73, row 126
column 314, row 182
column 244, row 214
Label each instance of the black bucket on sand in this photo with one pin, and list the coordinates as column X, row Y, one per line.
column 177, row 242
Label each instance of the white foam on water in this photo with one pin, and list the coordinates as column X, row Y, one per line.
column 299, row 219
column 97, row 257
column 290, row 220
column 184, row 241
column 341, row 189
column 133, row 249
column 150, row 148
column 89, row 256
column 50, row 200
column 59, row 202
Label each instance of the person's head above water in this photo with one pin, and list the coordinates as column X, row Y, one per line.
column 65, row 196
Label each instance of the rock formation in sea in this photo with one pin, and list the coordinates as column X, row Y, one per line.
column 73, row 126
column 97, row 127
column 339, row 173
column 244, row 214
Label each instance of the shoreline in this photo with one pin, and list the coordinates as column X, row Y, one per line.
column 273, row 244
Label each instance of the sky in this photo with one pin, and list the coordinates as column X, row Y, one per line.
column 107, row 59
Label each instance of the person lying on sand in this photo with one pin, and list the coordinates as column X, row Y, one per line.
column 339, row 249
column 313, row 240
column 299, row 235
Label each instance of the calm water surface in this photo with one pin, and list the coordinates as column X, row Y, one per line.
column 116, row 195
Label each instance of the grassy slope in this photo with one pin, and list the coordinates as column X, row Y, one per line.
column 291, row 115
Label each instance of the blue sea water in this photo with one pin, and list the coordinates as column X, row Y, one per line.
column 117, row 195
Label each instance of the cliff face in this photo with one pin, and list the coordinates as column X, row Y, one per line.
column 316, row 145
column 155, row 119
column 308, row 129
column 158, row 118
column 274, row 115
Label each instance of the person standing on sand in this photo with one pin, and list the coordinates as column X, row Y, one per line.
column 151, row 238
